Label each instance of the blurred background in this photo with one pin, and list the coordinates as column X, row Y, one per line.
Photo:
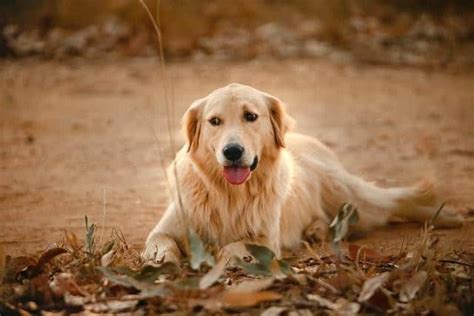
column 388, row 85
column 407, row 32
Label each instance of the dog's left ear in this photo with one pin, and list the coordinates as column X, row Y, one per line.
column 192, row 124
column 281, row 121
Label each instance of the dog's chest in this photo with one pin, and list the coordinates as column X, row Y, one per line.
column 226, row 218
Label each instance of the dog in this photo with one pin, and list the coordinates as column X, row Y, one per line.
column 243, row 177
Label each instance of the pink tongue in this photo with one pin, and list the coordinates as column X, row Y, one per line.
column 236, row 175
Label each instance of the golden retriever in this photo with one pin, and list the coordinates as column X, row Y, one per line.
column 242, row 177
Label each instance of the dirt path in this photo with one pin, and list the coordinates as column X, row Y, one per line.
column 72, row 133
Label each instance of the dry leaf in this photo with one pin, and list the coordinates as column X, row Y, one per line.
column 46, row 257
column 323, row 302
column 247, row 299
column 412, row 286
column 111, row 307
column 341, row 306
column 301, row 312
column 107, row 258
column 371, row 285
column 214, row 274
column 72, row 241
column 273, row 311
column 252, row 286
column 346, row 308
column 63, row 283
column 17, row 268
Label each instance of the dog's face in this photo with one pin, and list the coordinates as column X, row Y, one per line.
column 234, row 128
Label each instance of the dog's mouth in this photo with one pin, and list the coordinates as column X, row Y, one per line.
column 236, row 174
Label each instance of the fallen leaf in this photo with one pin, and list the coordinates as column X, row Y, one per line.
column 18, row 268
column 263, row 254
column 323, row 302
column 199, row 255
column 247, row 299
column 63, row 283
column 346, row 308
column 412, row 286
column 253, row 268
column 150, row 273
column 300, row 312
column 274, row 311
column 339, row 228
column 45, row 258
column 252, row 285
column 141, row 280
column 214, row 274
column 107, row 258
column 75, row 300
column 371, row 285
column 266, row 264
column 111, row 307
column 341, row 306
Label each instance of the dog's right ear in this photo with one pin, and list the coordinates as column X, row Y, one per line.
column 192, row 124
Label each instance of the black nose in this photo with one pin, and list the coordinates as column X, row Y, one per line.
column 233, row 152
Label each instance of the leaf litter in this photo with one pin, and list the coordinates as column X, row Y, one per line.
column 345, row 279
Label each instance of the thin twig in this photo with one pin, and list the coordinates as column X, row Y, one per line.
column 103, row 217
column 168, row 103
column 455, row 262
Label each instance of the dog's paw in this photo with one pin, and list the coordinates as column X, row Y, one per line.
column 448, row 218
column 161, row 249
column 235, row 250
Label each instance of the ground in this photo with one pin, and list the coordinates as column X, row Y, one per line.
column 78, row 137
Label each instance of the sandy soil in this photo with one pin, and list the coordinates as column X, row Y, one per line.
column 77, row 138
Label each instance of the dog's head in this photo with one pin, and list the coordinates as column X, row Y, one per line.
column 234, row 129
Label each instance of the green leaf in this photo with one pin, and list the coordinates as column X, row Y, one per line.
column 199, row 255
column 339, row 228
column 284, row 267
column 107, row 247
column 263, row 255
column 90, row 237
column 149, row 273
column 214, row 274
column 142, row 279
column 253, row 268
column 123, row 280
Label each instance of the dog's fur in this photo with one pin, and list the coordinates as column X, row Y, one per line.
column 298, row 181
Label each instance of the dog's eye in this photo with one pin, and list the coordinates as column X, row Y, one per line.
column 215, row 121
column 251, row 117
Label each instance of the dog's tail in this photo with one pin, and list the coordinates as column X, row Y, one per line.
column 377, row 205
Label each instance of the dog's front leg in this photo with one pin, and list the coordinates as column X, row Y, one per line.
column 162, row 242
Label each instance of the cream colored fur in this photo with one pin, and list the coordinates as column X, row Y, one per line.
column 298, row 181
